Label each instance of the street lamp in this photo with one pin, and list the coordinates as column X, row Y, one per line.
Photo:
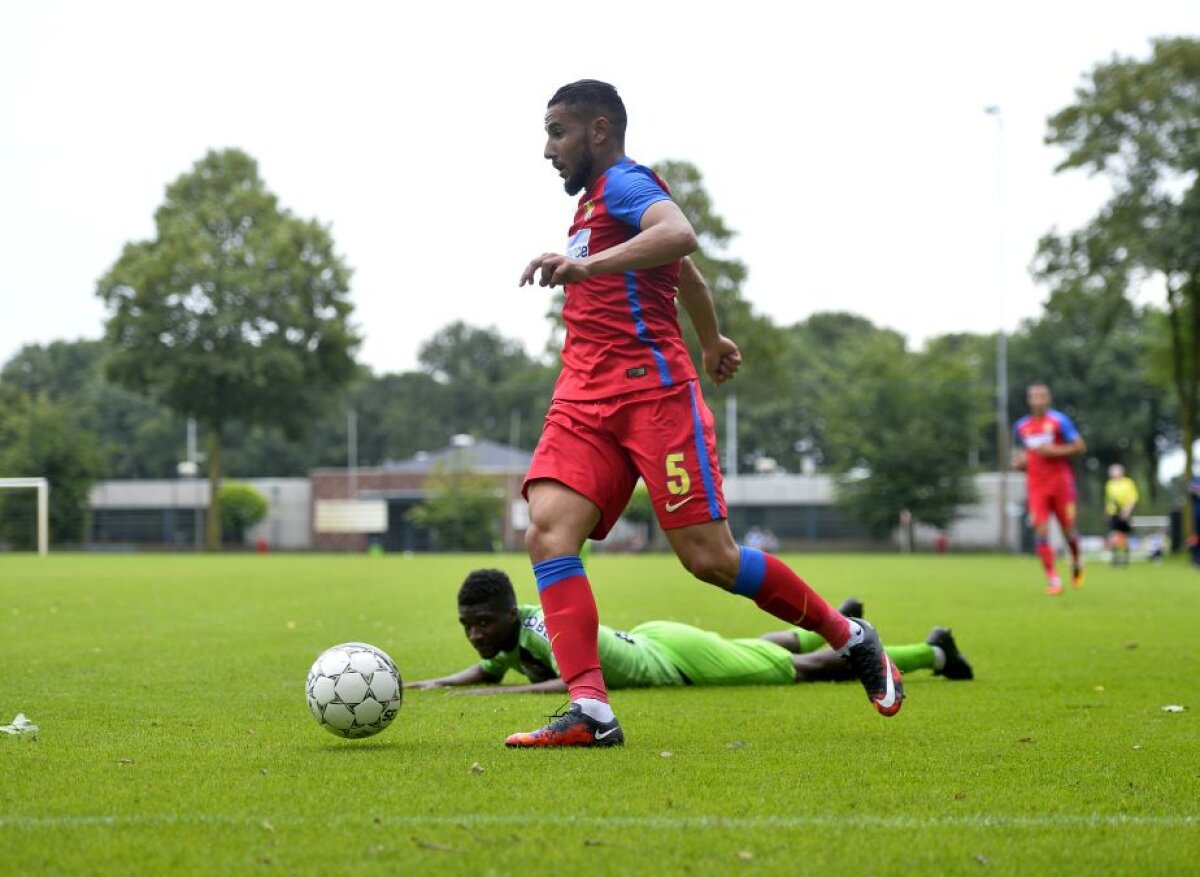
column 1002, row 435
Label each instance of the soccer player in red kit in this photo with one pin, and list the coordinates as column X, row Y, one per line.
column 628, row 404
column 1046, row 442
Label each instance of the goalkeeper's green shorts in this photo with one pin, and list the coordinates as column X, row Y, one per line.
column 706, row 658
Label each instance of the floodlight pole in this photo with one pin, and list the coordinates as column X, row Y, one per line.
column 1003, row 452
column 352, row 451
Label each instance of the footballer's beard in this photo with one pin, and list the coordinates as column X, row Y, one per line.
column 575, row 183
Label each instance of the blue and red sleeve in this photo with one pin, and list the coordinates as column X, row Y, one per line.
column 629, row 190
column 1066, row 427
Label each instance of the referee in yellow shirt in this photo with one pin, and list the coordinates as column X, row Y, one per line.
column 1120, row 496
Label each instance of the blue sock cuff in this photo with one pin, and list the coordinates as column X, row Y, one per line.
column 1041, row 540
column 554, row 570
column 752, row 567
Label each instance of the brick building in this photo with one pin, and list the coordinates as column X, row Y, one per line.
column 354, row 508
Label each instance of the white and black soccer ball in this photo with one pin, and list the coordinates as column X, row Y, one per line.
column 354, row 690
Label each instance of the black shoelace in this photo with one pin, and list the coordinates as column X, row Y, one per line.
column 558, row 717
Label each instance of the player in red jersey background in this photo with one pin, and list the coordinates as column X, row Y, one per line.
column 628, row 404
column 1046, row 442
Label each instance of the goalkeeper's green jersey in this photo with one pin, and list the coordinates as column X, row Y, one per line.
column 652, row 654
column 627, row 660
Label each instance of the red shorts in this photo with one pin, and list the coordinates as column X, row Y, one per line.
column 666, row 437
column 1058, row 497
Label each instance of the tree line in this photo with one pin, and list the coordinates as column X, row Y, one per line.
column 236, row 315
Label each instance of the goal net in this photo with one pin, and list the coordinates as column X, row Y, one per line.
column 42, row 515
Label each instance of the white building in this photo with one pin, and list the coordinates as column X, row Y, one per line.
column 800, row 510
column 171, row 513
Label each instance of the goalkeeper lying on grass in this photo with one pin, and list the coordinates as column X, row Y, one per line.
column 657, row 653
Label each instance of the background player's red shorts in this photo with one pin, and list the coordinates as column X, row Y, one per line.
column 1057, row 496
column 666, row 436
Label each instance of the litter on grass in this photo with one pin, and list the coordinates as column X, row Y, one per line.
column 20, row 725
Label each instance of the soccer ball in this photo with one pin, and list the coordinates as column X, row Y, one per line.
column 354, row 690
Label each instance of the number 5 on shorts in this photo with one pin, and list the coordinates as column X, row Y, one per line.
column 678, row 481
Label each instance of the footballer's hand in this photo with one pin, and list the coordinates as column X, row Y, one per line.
column 422, row 684
column 554, row 269
column 722, row 359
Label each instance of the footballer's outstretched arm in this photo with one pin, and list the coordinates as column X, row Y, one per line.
column 472, row 675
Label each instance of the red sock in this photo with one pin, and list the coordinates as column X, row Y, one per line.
column 774, row 588
column 572, row 624
column 1046, row 553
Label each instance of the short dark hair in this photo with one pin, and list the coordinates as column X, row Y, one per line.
column 592, row 98
column 487, row 586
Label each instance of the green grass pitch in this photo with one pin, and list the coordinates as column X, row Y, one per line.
column 175, row 738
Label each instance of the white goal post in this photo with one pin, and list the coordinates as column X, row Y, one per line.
column 42, row 486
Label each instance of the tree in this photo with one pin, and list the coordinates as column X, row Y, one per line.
column 236, row 311
column 1093, row 351
column 43, row 441
column 902, row 428
column 397, row 414
column 59, row 370
column 400, row 414
column 976, row 355
column 823, row 355
column 136, row 437
column 766, row 405
column 241, row 508
column 485, row 380
column 463, row 509
column 1135, row 122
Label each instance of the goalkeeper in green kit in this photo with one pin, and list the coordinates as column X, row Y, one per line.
column 509, row 636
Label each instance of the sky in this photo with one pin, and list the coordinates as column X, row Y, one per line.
column 846, row 144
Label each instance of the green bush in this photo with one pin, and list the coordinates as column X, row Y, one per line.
column 241, row 508
column 463, row 511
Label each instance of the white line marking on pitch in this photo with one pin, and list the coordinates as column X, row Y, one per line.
column 1093, row 820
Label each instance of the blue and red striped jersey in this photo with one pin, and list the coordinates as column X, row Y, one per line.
column 1052, row 428
column 622, row 329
